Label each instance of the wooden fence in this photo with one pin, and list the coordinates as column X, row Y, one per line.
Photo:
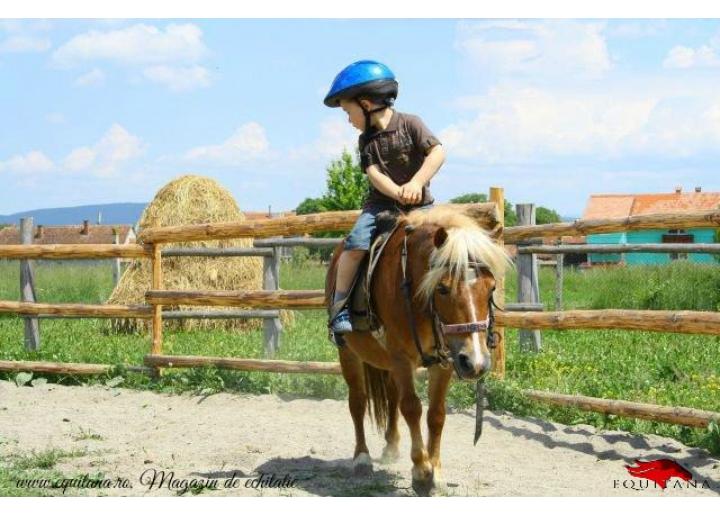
column 667, row 321
column 529, row 249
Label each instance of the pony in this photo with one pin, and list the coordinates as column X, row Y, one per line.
column 432, row 294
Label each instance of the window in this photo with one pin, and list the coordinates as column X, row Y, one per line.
column 678, row 236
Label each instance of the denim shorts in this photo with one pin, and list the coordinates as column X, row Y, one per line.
column 362, row 233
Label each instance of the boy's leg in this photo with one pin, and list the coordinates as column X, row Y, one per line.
column 347, row 268
column 356, row 246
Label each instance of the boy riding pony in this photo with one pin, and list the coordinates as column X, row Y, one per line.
column 397, row 152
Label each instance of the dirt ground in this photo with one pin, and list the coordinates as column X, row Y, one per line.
column 302, row 447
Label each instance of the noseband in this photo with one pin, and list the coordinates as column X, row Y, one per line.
column 441, row 329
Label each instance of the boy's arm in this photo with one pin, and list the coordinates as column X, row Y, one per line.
column 411, row 193
column 382, row 182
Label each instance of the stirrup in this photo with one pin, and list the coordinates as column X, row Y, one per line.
column 341, row 324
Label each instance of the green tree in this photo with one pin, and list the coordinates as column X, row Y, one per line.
column 310, row 205
column 346, row 187
column 470, row 198
column 544, row 215
column 346, row 190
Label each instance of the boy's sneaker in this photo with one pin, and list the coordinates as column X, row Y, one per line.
column 341, row 323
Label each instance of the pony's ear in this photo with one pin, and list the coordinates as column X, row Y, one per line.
column 439, row 237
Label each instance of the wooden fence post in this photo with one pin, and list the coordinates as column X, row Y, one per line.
column 527, row 289
column 271, row 282
column 497, row 195
column 27, row 287
column 116, row 261
column 157, row 284
column 559, row 272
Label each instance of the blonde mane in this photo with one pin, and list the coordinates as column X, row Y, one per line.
column 466, row 242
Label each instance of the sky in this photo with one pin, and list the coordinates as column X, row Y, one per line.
column 103, row 111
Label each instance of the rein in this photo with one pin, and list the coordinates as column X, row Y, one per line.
column 441, row 329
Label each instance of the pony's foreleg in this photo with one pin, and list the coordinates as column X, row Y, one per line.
column 391, row 452
column 411, row 408
column 352, row 370
column 438, row 381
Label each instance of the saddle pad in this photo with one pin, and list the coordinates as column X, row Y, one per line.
column 361, row 311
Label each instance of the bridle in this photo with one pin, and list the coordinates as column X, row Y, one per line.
column 440, row 328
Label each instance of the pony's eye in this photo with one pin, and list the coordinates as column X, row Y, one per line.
column 443, row 289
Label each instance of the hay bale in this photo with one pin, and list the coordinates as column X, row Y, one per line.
column 187, row 200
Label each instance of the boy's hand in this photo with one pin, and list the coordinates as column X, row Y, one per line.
column 411, row 193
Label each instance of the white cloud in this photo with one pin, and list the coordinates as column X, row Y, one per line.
column 24, row 36
column 116, row 147
column 94, row 77
column 170, row 56
column 683, row 57
column 248, row 142
column 80, row 159
column 545, row 47
column 179, row 78
column 512, row 124
column 135, row 45
column 30, row 163
column 335, row 135
column 633, row 29
column 19, row 44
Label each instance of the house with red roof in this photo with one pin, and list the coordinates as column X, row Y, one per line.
column 85, row 233
column 623, row 205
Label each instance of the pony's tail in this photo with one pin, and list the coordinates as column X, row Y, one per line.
column 376, row 390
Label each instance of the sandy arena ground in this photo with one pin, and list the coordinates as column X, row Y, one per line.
column 233, row 439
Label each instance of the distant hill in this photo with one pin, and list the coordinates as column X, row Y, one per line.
column 112, row 214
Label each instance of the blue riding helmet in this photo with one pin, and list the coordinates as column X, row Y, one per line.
column 370, row 78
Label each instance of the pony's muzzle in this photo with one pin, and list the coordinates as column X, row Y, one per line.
column 469, row 363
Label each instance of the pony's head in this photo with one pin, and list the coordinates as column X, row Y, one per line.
column 456, row 279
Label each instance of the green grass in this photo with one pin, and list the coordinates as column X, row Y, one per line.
column 662, row 368
column 35, row 466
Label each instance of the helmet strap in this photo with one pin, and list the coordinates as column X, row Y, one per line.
column 368, row 113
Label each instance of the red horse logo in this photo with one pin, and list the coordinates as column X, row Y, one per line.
column 659, row 471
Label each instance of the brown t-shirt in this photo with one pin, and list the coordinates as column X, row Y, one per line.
column 399, row 151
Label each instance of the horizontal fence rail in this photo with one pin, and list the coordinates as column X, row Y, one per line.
column 485, row 213
column 296, row 299
column 290, row 225
column 685, row 322
column 225, row 314
column 298, row 241
column 675, row 415
column 191, row 314
column 79, row 310
column 75, row 251
column 300, row 299
column 622, row 248
column 682, row 322
column 217, row 252
column 698, row 219
column 193, row 361
column 67, row 368
column 263, row 248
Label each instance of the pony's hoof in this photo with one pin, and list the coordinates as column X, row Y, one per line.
column 423, row 482
column 389, row 455
column 440, row 486
column 362, row 465
column 423, row 487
